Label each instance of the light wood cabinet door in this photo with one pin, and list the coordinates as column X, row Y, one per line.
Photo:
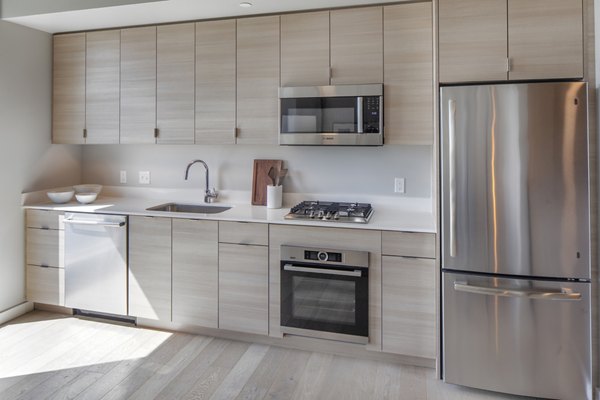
column 305, row 49
column 102, row 86
column 472, row 40
column 243, row 233
column 68, row 84
column 257, row 80
column 357, row 46
column 46, row 285
column 545, row 39
column 175, row 62
column 244, row 288
column 150, row 267
column 408, row 302
column 195, row 272
column 44, row 219
column 215, row 82
column 408, row 244
column 45, row 247
column 408, row 73
column 138, row 85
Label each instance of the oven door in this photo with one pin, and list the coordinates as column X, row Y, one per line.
column 325, row 302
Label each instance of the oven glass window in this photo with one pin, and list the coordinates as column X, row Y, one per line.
column 324, row 300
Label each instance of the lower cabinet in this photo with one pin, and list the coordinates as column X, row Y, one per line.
column 46, row 285
column 244, row 288
column 408, row 306
column 195, row 272
column 150, row 267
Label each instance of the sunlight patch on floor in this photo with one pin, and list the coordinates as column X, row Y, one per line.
column 43, row 346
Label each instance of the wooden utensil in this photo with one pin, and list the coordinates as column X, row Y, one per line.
column 260, row 179
column 280, row 176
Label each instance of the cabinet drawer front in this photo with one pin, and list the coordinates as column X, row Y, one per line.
column 45, row 247
column 44, row 219
column 244, row 233
column 408, row 244
column 46, row 285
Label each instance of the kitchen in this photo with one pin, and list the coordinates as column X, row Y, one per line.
column 320, row 171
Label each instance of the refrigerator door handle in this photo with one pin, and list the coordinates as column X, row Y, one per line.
column 452, row 174
column 564, row 294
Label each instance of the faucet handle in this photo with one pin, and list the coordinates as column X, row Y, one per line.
column 211, row 195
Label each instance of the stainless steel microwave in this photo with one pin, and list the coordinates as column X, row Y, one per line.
column 340, row 115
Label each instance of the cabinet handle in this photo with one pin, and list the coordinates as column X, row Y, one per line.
column 236, row 132
column 84, row 133
column 155, row 133
column 508, row 64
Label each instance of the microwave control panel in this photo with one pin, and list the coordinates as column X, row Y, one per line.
column 371, row 114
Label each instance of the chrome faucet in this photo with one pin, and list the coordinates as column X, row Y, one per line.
column 210, row 195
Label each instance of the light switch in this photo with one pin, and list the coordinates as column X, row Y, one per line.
column 398, row 185
column 123, row 177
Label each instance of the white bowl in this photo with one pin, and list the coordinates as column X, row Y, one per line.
column 60, row 197
column 86, row 198
column 88, row 188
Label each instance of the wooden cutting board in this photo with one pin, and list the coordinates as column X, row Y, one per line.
column 260, row 179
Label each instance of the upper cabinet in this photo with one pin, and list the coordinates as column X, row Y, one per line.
column 102, row 86
column 257, row 80
column 545, row 39
column 337, row 47
column 357, row 46
column 68, row 96
column 408, row 73
column 175, row 60
column 215, row 82
column 495, row 40
column 305, row 49
column 138, row 85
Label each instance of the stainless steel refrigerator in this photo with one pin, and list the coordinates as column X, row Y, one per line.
column 516, row 239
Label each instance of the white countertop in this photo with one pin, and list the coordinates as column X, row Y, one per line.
column 404, row 214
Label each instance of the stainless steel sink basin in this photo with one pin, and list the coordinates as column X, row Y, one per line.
column 189, row 208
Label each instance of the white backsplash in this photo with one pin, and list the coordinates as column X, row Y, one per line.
column 357, row 172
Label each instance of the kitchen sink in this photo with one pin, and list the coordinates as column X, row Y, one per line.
column 189, row 208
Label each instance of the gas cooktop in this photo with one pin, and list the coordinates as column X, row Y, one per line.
column 332, row 211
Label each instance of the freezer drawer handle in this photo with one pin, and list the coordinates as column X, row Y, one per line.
column 564, row 294
column 293, row 268
column 97, row 223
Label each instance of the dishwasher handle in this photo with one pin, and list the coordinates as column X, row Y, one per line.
column 96, row 223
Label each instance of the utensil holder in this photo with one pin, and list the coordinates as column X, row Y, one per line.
column 274, row 196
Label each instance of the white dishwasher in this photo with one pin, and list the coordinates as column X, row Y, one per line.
column 96, row 262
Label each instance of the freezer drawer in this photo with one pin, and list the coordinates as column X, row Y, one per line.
column 96, row 262
column 531, row 337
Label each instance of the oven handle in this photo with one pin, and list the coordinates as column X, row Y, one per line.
column 293, row 268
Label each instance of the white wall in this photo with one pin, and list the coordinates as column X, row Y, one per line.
column 330, row 170
column 27, row 159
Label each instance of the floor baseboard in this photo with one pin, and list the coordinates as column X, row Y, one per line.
column 16, row 311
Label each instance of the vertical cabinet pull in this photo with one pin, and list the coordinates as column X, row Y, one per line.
column 155, row 133
column 84, row 133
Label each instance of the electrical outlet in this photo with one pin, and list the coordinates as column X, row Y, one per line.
column 144, row 177
column 123, row 177
column 399, row 185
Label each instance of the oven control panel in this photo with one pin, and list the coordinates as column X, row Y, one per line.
column 325, row 256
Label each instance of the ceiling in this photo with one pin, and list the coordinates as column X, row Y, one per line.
column 166, row 11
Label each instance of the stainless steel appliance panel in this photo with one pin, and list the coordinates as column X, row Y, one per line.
column 96, row 262
column 514, row 179
column 526, row 337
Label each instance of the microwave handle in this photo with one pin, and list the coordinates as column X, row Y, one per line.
column 359, row 115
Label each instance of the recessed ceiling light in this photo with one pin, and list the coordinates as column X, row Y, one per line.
column 245, row 4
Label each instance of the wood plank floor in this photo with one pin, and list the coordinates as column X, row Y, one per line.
column 50, row 356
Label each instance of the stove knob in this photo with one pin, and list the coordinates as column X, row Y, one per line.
column 311, row 214
column 320, row 214
column 328, row 215
column 336, row 215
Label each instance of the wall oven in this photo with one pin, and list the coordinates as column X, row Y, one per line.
column 343, row 115
column 325, row 293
